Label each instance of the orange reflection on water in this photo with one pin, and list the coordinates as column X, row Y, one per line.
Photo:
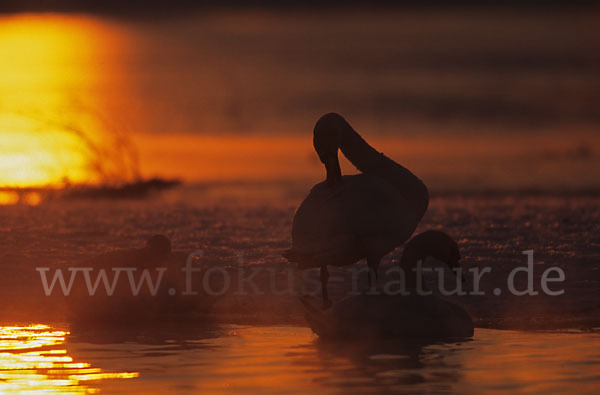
column 11, row 197
column 32, row 361
column 8, row 198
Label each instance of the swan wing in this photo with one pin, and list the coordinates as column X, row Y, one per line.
column 332, row 221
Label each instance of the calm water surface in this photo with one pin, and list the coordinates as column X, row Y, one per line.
column 234, row 359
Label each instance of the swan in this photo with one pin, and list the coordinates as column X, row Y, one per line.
column 122, row 306
column 348, row 218
column 413, row 314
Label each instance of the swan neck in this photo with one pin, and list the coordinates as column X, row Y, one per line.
column 358, row 151
column 334, row 172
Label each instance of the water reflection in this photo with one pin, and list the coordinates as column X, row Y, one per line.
column 33, row 359
column 199, row 358
column 9, row 198
column 388, row 364
column 180, row 335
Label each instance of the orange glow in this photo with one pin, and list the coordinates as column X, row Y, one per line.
column 46, row 370
column 525, row 361
column 32, row 198
column 452, row 161
column 45, row 59
column 36, row 49
column 8, row 198
column 32, row 158
column 69, row 83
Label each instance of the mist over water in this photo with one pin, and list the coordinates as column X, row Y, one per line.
column 226, row 221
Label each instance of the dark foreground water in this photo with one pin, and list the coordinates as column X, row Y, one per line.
column 290, row 360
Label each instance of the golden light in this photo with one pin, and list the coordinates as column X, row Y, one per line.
column 29, row 364
column 40, row 49
column 9, row 198
column 46, row 61
column 32, row 157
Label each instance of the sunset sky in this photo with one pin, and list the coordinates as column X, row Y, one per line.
column 217, row 95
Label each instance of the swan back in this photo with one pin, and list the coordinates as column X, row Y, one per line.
column 336, row 223
column 334, row 131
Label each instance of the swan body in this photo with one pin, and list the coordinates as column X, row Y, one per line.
column 377, row 316
column 122, row 306
column 413, row 314
column 339, row 225
column 345, row 219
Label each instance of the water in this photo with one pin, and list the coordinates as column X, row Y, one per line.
column 233, row 344
column 290, row 360
column 254, row 220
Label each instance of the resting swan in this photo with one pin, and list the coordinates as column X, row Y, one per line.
column 399, row 315
column 121, row 305
column 345, row 219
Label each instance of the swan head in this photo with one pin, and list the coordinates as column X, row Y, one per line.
column 327, row 139
column 433, row 243
column 158, row 246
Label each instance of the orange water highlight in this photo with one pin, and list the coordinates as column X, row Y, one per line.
column 33, row 360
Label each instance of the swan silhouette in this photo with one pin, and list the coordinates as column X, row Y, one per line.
column 413, row 314
column 367, row 215
column 121, row 305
